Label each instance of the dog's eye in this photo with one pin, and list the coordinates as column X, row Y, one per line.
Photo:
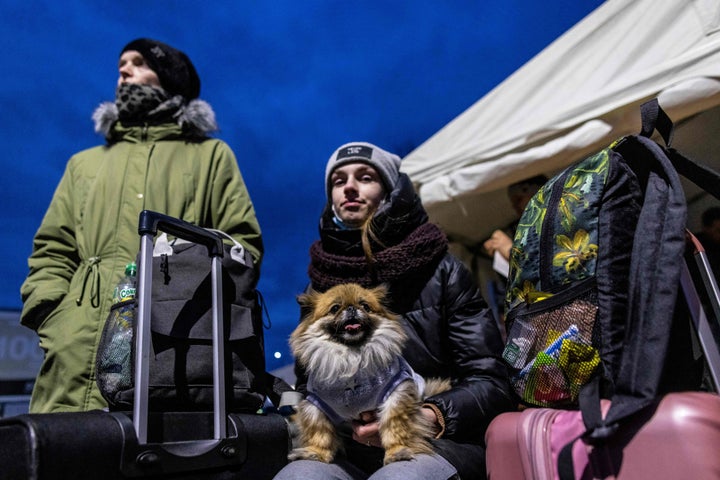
column 334, row 309
column 365, row 306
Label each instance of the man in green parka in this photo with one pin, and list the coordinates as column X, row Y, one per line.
column 157, row 156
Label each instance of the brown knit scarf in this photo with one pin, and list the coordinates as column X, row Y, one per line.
column 424, row 245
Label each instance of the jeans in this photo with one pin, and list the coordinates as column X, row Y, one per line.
column 423, row 467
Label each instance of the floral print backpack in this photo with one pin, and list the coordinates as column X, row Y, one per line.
column 594, row 275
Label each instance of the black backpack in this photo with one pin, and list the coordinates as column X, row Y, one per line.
column 180, row 363
column 594, row 277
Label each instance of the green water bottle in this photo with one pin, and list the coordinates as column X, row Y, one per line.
column 126, row 289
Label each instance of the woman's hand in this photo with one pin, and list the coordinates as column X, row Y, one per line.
column 365, row 430
column 432, row 417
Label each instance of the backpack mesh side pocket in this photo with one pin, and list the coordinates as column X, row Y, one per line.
column 552, row 347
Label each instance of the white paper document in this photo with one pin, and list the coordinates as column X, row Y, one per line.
column 500, row 265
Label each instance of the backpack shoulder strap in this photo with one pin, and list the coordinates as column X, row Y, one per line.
column 655, row 118
column 699, row 174
column 659, row 241
column 653, row 284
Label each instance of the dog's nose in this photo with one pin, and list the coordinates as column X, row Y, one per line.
column 351, row 310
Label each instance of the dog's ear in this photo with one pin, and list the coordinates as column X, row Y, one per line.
column 381, row 292
column 307, row 302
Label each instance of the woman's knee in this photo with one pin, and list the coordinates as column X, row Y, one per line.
column 313, row 470
column 423, row 467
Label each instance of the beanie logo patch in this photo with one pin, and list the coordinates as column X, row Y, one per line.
column 355, row 151
column 157, row 51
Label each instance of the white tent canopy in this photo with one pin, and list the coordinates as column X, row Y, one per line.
column 575, row 97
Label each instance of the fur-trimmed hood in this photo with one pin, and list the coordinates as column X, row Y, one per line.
column 197, row 117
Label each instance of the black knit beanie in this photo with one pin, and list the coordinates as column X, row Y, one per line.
column 174, row 69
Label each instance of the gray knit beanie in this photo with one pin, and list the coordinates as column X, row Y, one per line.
column 385, row 163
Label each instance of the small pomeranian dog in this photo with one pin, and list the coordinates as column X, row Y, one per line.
column 350, row 345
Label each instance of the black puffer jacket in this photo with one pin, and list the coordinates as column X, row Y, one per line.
column 451, row 330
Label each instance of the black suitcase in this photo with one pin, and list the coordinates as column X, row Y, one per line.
column 138, row 444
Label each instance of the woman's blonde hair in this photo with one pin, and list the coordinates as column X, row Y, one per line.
column 369, row 237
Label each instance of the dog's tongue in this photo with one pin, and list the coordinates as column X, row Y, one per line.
column 352, row 327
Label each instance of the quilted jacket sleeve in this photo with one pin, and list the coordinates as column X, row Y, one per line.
column 481, row 388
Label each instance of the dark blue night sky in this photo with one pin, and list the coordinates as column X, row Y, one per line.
column 289, row 81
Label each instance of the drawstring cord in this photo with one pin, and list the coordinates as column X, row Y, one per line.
column 91, row 269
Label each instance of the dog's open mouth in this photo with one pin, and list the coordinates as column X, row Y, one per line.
column 352, row 331
column 351, row 327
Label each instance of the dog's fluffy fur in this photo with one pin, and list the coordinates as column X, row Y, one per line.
column 349, row 331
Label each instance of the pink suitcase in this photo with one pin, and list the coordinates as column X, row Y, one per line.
column 680, row 439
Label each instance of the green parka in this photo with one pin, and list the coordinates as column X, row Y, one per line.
column 89, row 234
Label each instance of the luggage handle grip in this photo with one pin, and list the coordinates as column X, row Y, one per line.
column 150, row 222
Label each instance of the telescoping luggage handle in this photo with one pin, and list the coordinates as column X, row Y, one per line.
column 148, row 226
column 708, row 342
